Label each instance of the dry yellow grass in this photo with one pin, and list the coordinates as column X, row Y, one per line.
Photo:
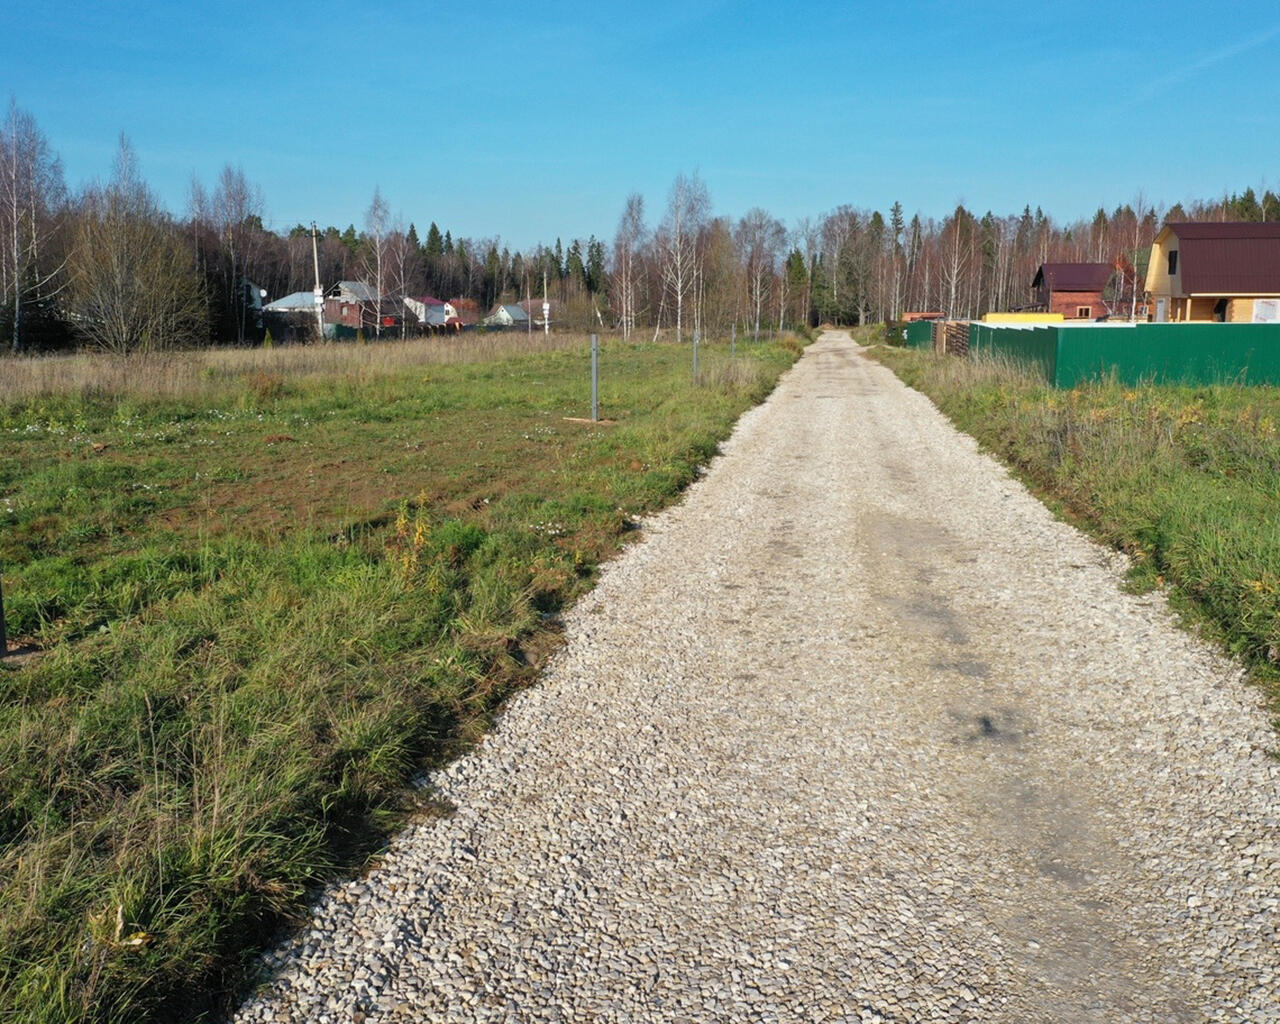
column 185, row 374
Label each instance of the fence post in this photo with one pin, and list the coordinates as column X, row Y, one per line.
column 595, row 378
column 4, row 640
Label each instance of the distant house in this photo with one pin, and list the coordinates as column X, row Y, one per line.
column 292, row 317
column 510, row 315
column 431, row 312
column 1072, row 289
column 534, row 308
column 461, row 313
column 1206, row 272
column 352, row 305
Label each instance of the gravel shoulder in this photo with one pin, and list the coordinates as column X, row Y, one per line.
column 858, row 731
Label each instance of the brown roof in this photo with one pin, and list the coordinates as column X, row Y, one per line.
column 1230, row 258
column 1073, row 277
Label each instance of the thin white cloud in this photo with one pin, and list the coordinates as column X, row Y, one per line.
column 1160, row 86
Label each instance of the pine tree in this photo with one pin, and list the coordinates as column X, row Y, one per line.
column 435, row 244
column 575, row 269
column 596, row 282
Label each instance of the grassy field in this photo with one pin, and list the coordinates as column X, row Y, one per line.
column 266, row 588
column 1186, row 480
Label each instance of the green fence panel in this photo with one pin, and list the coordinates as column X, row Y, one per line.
column 920, row 334
column 1163, row 353
column 1170, row 354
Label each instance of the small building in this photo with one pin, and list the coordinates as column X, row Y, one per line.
column 537, row 313
column 431, row 313
column 293, row 317
column 509, row 315
column 352, row 305
column 461, row 313
column 1073, row 289
column 1208, row 271
column 911, row 318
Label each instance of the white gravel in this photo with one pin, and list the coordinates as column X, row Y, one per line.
column 858, row 732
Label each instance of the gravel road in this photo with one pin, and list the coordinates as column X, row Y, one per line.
column 858, row 732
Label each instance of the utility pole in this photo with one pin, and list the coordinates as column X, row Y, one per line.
column 319, row 292
column 546, row 306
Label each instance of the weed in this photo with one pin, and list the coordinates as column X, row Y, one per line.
column 266, row 387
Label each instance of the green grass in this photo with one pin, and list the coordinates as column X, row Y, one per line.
column 263, row 602
column 1186, row 480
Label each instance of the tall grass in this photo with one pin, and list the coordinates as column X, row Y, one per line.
column 1186, row 480
column 199, row 372
column 270, row 588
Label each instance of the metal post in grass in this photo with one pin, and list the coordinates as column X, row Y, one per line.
column 697, row 335
column 595, row 378
column 4, row 640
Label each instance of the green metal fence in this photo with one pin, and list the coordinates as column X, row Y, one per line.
column 919, row 334
column 1160, row 353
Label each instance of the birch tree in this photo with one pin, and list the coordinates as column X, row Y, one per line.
column 375, row 262
column 404, row 259
column 627, row 243
column 688, row 205
column 760, row 238
column 32, row 199
column 237, row 211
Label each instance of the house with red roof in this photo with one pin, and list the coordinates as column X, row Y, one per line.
column 1207, row 271
column 1073, row 289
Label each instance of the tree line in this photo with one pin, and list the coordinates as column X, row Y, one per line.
column 110, row 267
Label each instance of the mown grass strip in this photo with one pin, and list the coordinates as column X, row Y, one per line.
column 1186, row 480
column 264, row 604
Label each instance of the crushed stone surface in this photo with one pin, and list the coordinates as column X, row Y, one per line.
column 857, row 732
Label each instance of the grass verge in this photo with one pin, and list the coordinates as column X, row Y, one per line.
column 1186, row 480
column 267, row 590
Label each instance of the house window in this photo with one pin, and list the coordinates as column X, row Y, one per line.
column 1173, row 262
column 1084, row 312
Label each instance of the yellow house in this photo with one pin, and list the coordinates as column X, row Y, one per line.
column 1209, row 272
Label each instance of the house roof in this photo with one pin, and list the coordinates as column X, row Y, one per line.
column 293, row 302
column 428, row 300
column 1229, row 258
column 1073, row 277
column 352, row 290
column 513, row 311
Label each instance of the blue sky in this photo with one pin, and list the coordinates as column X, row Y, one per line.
column 532, row 121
